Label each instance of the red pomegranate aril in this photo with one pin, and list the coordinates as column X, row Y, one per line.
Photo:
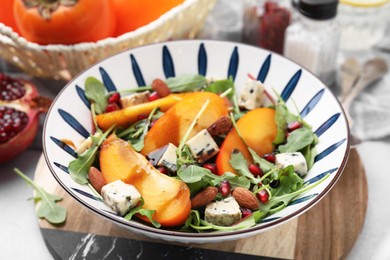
column 163, row 170
column 293, row 126
column 211, row 166
column 255, row 170
column 20, row 105
column 245, row 212
column 112, row 107
column 224, row 188
column 263, row 196
column 153, row 96
column 114, row 98
column 270, row 157
column 11, row 89
column 142, row 116
column 11, row 123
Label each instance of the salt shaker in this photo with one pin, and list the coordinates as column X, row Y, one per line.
column 313, row 39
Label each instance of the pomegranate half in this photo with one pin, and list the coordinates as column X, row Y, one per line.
column 20, row 106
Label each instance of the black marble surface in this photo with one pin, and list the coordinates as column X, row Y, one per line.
column 74, row 245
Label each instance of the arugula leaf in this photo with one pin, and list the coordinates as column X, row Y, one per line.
column 144, row 212
column 221, row 86
column 192, row 173
column 136, row 133
column 238, row 162
column 96, row 92
column 186, row 83
column 297, row 140
column 236, row 180
column 280, row 201
column 48, row 209
column 245, row 223
column 79, row 167
column 197, row 178
column 289, row 182
column 265, row 165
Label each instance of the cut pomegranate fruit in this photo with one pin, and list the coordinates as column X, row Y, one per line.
column 20, row 105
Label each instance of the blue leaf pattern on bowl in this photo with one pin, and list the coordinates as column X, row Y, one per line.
column 202, row 60
column 73, row 123
column 233, row 64
column 303, row 199
column 264, row 69
column 328, row 150
column 290, row 87
column 81, row 94
column 64, row 146
column 62, row 167
column 320, row 176
column 169, row 68
column 136, row 71
column 86, row 194
column 312, row 103
column 327, row 124
column 107, row 81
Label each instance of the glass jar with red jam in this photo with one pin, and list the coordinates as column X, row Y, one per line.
column 265, row 22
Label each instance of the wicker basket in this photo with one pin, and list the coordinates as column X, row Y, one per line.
column 66, row 61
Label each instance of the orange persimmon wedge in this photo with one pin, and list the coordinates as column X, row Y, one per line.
column 257, row 128
column 131, row 114
column 170, row 197
column 172, row 126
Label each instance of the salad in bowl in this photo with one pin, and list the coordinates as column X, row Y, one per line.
column 196, row 141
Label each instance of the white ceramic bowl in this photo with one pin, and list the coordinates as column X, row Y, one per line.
column 69, row 117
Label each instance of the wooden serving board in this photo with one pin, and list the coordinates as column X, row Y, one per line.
column 327, row 231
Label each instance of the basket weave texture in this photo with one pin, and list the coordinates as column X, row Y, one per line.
column 66, row 61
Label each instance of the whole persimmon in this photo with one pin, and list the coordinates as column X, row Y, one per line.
column 7, row 14
column 133, row 14
column 64, row 22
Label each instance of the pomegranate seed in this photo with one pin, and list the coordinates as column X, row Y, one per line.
column 224, row 188
column 11, row 89
column 255, row 170
column 112, row 107
column 263, row 196
column 163, row 169
column 153, row 96
column 294, row 125
column 245, row 212
column 211, row 166
column 114, row 98
column 12, row 121
column 270, row 157
column 142, row 116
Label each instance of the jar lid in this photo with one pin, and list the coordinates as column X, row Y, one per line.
column 365, row 3
column 318, row 9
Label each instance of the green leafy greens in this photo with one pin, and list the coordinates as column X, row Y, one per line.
column 79, row 167
column 48, row 209
column 144, row 212
column 96, row 92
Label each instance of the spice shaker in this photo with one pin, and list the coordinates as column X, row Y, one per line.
column 313, row 39
column 265, row 22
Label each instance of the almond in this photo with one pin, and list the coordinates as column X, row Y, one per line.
column 204, row 197
column 245, row 198
column 161, row 88
column 96, row 179
column 220, row 127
